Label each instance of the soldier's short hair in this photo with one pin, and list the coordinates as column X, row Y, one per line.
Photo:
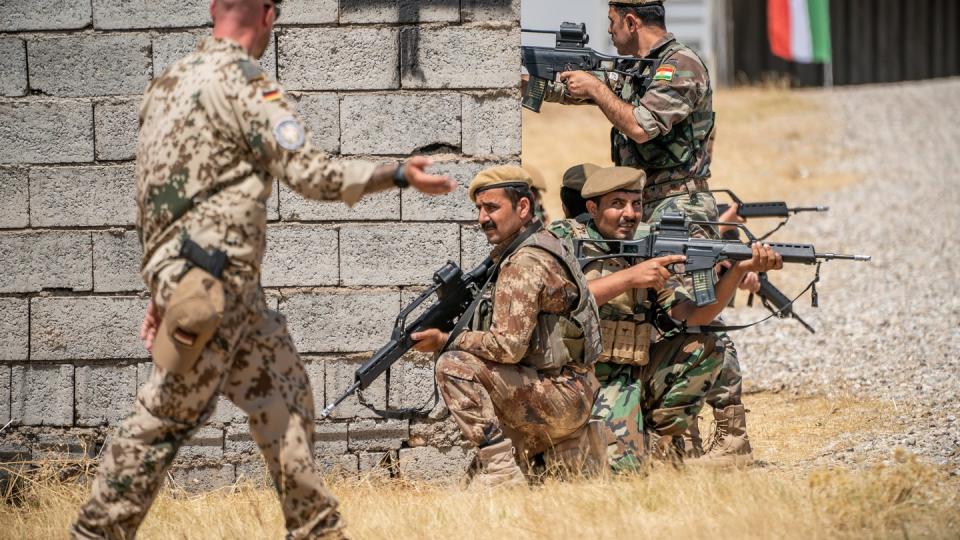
column 653, row 15
column 515, row 193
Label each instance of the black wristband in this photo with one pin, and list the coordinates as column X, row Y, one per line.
column 400, row 177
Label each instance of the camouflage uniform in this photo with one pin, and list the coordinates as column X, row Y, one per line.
column 650, row 384
column 507, row 378
column 214, row 131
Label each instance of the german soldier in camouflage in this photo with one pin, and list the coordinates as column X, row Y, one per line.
column 214, row 132
column 522, row 376
column 652, row 387
column 663, row 119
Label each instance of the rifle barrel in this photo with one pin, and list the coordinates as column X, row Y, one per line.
column 842, row 257
column 353, row 388
column 799, row 209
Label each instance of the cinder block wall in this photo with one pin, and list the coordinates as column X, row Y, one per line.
column 374, row 78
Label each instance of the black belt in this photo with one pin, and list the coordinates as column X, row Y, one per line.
column 213, row 262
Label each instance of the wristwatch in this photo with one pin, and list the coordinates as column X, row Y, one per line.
column 400, row 177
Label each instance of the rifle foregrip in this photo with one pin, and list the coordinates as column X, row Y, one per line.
column 763, row 209
column 795, row 253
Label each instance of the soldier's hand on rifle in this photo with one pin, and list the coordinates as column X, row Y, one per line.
column 730, row 216
column 580, row 84
column 750, row 282
column 148, row 330
column 764, row 259
column 653, row 273
column 426, row 183
column 428, row 341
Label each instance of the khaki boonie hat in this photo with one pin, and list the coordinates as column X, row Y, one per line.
column 499, row 177
column 192, row 317
column 612, row 179
column 577, row 175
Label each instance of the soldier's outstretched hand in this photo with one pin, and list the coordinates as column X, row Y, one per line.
column 427, row 183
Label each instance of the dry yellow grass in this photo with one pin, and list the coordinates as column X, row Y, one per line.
column 780, row 500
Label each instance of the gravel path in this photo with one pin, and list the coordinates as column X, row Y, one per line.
column 888, row 329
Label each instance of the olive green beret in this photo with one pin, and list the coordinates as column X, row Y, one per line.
column 499, row 177
column 612, row 179
column 577, row 175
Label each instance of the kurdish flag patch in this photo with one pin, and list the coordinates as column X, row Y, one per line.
column 665, row 73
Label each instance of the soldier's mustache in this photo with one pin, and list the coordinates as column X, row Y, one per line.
column 489, row 226
column 627, row 222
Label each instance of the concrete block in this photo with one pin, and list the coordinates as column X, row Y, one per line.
column 168, row 48
column 473, row 245
column 60, row 444
column 4, row 393
column 90, row 65
column 206, row 444
column 491, row 125
column 45, row 260
column 321, row 112
column 398, row 123
column 253, row 471
column 82, row 196
column 14, row 198
column 42, row 395
column 341, row 320
column 339, row 376
column 104, row 393
column 395, row 254
column 377, row 465
column 238, row 442
column 455, row 206
column 330, row 440
column 383, row 205
column 491, row 10
column 228, row 413
column 343, row 466
column 124, row 14
column 411, row 382
column 273, row 203
column 86, row 328
column 143, row 372
column 14, row 329
column 314, row 368
column 202, row 479
column 460, row 57
column 116, row 261
column 442, row 434
column 373, row 435
column 300, row 256
column 46, row 131
column 13, row 67
column 20, row 15
column 399, row 11
column 309, row 12
column 338, row 58
column 115, row 122
column 442, row 465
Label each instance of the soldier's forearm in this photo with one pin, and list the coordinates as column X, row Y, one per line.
column 382, row 179
column 619, row 113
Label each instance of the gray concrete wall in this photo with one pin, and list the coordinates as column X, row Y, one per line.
column 374, row 78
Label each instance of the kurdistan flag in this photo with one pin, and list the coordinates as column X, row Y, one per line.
column 800, row 30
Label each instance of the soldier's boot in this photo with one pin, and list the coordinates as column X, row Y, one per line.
column 498, row 467
column 730, row 444
column 666, row 448
column 692, row 442
column 583, row 454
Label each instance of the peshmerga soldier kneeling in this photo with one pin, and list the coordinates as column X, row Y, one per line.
column 522, row 376
column 653, row 381
column 215, row 132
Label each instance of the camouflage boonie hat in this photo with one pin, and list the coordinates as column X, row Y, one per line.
column 499, row 177
column 613, row 179
column 577, row 175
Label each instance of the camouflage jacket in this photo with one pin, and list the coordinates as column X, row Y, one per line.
column 531, row 282
column 675, row 110
column 214, row 132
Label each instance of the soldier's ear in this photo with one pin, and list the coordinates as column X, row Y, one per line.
column 592, row 209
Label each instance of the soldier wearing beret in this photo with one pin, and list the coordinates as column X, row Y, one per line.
column 520, row 375
column 573, row 180
column 214, row 133
column 653, row 382
column 662, row 116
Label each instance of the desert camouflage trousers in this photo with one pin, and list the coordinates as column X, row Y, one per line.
column 251, row 360
column 729, row 386
column 662, row 397
column 490, row 401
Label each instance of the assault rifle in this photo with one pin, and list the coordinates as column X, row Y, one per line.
column 570, row 54
column 764, row 209
column 455, row 292
column 672, row 237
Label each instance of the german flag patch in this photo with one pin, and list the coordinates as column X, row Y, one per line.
column 272, row 94
column 665, row 73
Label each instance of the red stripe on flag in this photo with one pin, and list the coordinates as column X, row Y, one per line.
column 778, row 28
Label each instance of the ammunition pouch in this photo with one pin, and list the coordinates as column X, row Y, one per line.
column 626, row 342
column 556, row 341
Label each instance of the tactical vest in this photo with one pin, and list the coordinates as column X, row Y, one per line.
column 557, row 340
column 669, row 150
column 623, row 320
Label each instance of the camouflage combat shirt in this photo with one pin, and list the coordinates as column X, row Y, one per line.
column 214, row 133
